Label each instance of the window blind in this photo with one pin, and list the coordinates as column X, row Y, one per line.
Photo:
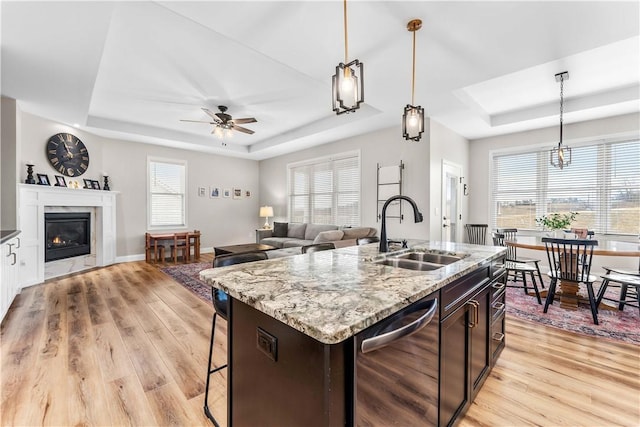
column 166, row 194
column 602, row 184
column 326, row 191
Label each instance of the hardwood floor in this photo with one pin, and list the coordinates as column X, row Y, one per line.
column 126, row 345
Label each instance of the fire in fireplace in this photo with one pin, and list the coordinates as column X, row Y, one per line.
column 68, row 234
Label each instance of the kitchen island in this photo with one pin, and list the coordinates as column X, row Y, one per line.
column 296, row 325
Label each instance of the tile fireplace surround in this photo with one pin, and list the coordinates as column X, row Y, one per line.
column 35, row 200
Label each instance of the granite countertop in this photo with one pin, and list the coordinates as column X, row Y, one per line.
column 8, row 235
column 332, row 295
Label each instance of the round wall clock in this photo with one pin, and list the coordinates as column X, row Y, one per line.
column 67, row 154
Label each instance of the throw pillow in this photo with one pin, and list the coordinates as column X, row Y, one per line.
column 280, row 229
column 329, row 236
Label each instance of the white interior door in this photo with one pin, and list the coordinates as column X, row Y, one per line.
column 451, row 213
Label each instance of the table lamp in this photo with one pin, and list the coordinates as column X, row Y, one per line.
column 266, row 211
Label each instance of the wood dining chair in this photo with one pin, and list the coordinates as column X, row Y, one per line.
column 476, row 233
column 512, row 255
column 326, row 246
column 629, row 283
column 570, row 262
column 519, row 270
column 180, row 244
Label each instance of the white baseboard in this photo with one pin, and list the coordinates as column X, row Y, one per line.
column 141, row 257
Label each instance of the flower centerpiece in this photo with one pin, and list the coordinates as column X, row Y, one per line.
column 556, row 221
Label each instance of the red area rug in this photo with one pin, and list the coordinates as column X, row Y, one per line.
column 188, row 276
column 616, row 325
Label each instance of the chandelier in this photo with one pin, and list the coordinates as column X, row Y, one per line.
column 560, row 156
column 347, row 83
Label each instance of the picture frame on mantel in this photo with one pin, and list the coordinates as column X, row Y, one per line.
column 43, row 179
column 88, row 183
column 60, row 181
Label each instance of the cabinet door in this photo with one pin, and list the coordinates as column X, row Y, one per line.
column 454, row 353
column 480, row 357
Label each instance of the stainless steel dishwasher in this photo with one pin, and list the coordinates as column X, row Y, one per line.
column 397, row 365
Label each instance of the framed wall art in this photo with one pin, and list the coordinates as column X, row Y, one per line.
column 226, row 192
column 214, row 192
column 237, row 193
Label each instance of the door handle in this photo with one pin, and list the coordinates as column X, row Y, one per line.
column 378, row 341
column 475, row 316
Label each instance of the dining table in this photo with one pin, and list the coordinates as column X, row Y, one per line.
column 568, row 294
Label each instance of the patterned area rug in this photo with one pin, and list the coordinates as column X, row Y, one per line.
column 188, row 276
column 616, row 325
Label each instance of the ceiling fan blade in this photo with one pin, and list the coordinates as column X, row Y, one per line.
column 245, row 120
column 210, row 113
column 241, row 129
column 197, row 121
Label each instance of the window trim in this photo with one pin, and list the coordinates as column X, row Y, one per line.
column 183, row 163
column 324, row 159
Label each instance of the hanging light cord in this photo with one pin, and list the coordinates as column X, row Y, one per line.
column 413, row 76
column 346, row 45
column 561, row 104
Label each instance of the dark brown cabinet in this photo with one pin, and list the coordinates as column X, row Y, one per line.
column 280, row 376
column 467, row 344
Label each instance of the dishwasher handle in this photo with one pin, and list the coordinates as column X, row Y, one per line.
column 378, row 341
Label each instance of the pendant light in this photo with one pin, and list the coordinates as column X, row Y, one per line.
column 347, row 83
column 560, row 156
column 413, row 117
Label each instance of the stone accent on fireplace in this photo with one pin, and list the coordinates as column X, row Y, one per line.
column 35, row 200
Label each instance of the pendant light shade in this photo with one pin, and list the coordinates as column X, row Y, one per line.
column 348, row 82
column 560, row 156
column 413, row 117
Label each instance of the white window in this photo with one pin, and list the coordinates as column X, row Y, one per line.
column 325, row 191
column 602, row 184
column 167, row 196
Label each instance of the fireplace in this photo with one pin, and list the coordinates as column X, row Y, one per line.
column 67, row 234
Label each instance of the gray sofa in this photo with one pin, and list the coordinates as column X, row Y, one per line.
column 303, row 234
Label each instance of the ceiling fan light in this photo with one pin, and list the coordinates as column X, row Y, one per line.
column 218, row 132
column 413, row 123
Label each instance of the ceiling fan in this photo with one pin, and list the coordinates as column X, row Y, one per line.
column 224, row 123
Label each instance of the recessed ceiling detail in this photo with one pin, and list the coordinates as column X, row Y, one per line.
column 132, row 70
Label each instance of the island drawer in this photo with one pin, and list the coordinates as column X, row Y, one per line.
column 498, row 288
column 458, row 292
column 497, row 338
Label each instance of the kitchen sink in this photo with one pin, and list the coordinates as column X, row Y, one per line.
column 429, row 257
column 419, row 260
column 409, row 264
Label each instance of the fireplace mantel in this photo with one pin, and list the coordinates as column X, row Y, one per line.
column 35, row 199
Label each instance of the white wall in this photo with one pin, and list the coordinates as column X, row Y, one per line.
column 9, row 143
column 221, row 221
column 422, row 175
column 446, row 145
